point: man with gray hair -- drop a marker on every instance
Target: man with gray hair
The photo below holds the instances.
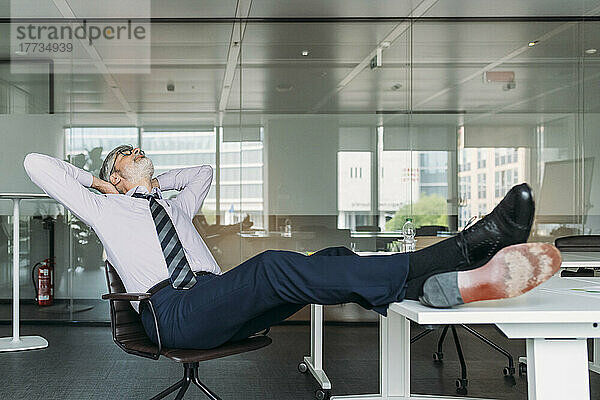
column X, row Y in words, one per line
column 154, row 247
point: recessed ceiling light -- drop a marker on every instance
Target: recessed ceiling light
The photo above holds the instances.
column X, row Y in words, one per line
column 284, row 87
column 531, row 44
column 591, row 51
column 304, row 53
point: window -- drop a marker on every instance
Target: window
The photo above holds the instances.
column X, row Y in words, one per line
column 481, row 186
column 87, row 147
column 481, row 158
column 505, row 156
column 356, row 172
column 354, row 188
column 465, row 187
column 464, row 162
column 170, row 149
column 498, row 177
column 504, row 180
column 482, row 210
column 242, row 184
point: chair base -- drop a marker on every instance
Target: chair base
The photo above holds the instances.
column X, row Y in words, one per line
column 190, row 375
column 462, row 382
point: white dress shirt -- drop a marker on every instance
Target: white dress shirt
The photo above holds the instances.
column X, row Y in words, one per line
column 124, row 224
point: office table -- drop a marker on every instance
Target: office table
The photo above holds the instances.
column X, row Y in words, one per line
column 554, row 319
column 313, row 363
column 17, row 342
column 574, row 260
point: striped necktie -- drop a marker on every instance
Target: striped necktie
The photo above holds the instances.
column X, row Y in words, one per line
column 180, row 273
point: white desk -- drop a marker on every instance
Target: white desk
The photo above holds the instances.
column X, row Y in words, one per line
column 574, row 260
column 554, row 322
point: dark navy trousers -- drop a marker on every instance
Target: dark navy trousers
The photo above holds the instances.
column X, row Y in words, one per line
column 268, row 288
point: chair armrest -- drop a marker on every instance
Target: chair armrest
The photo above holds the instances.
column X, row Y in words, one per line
column 127, row 296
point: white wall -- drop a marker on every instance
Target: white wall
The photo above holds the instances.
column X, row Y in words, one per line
column 20, row 135
column 302, row 170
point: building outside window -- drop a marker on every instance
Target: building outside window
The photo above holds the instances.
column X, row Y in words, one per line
column 465, row 160
column 464, row 187
column 242, row 182
column 481, row 158
column 87, row 146
column 481, row 186
column 504, row 180
column 354, row 189
column 241, row 164
column 482, row 210
column 171, row 149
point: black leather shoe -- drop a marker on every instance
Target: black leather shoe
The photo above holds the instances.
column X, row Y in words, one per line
column 509, row 223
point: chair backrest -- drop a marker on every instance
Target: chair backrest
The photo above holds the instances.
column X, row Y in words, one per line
column 127, row 329
column 368, row 228
column 578, row 243
column 430, row 230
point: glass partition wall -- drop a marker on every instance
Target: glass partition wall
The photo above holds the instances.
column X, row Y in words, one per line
column 30, row 121
column 334, row 132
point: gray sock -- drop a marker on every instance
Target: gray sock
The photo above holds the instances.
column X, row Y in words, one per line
column 441, row 291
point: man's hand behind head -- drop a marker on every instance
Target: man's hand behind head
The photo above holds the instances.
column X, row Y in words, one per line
column 103, row 186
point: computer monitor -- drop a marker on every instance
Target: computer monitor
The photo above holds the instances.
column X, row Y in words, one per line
column 560, row 197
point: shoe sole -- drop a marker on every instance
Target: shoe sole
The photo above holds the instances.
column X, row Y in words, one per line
column 514, row 270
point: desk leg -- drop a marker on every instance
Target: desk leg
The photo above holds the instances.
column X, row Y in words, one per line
column 557, row 369
column 17, row 342
column 394, row 360
column 595, row 365
column 395, row 355
column 314, row 362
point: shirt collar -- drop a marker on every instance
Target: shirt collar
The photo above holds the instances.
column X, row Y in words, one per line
column 143, row 190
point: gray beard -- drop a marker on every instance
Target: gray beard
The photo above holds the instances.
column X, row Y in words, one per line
column 139, row 171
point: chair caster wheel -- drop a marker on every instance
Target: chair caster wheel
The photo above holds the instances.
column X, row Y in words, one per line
column 522, row 369
column 322, row 394
column 461, row 386
column 508, row 371
column 302, row 367
column 438, row 356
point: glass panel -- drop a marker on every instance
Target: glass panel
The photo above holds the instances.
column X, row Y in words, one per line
column 27, row 124
column 589, row 188
column 326, row 133
column 516, row 99
column 171, row 149
column 88, row 146
column 354, row 189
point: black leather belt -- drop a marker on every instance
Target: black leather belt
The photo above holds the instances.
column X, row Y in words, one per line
column 167, row 282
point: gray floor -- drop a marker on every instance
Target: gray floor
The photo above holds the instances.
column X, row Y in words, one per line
column 83, row 363
column 97, row 311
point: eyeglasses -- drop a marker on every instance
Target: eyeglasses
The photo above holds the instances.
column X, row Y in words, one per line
column 127, row 151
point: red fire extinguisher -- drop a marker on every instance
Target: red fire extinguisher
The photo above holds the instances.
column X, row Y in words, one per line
column 44, row 287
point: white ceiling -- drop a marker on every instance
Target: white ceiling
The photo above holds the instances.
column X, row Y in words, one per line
column 438, row 65
column 347, row 8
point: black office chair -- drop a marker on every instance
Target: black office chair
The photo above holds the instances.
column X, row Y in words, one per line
column 430, row 230
column 128, row 333
column 438, row 356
